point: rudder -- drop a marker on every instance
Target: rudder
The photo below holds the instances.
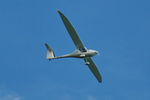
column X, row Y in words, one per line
column 50, row 52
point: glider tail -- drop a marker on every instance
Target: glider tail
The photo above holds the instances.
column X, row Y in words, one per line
column 50, row 52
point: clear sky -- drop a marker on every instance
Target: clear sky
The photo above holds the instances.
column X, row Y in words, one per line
column 118, row 29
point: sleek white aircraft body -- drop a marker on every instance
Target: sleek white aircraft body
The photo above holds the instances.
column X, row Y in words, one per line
column 80, row 52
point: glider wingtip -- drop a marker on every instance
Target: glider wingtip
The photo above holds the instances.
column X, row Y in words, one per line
column 59, row 11
column 100, row 81
column 45, row 44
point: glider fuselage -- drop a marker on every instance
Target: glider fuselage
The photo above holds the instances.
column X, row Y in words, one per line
column 79, row 54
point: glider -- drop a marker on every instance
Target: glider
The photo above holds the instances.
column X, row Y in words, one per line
column 80, row 52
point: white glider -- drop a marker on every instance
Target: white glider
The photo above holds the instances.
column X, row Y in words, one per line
column 80, row 52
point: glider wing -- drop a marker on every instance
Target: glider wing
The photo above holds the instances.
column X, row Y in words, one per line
column 78, row 43
column 93, row 68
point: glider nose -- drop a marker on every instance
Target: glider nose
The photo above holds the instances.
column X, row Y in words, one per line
column 96, row 52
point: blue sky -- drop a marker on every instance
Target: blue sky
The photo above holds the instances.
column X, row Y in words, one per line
column 119, row 29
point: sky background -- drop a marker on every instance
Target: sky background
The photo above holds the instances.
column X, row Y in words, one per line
column 118, row 29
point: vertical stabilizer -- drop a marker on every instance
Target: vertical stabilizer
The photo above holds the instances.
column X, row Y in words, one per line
column 50, row 52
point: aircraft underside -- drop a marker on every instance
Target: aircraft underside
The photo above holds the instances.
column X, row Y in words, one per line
column 80, row 52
